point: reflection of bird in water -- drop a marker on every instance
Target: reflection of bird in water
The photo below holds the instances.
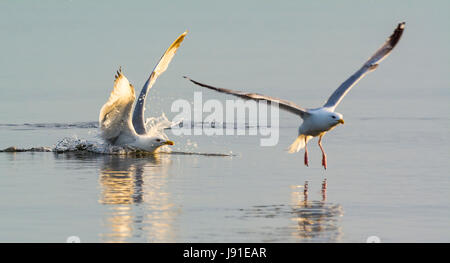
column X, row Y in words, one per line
column 139, row 205
column 324, row 190
column 121, row 179
column 317, row 220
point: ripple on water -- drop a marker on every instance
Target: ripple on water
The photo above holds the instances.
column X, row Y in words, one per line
column 313, row 220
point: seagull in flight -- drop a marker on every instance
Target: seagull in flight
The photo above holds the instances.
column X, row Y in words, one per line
column 119, row 125
column 318, row 121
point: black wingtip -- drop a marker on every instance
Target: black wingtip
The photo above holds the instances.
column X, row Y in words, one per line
column 118, row 73
column 395, row 37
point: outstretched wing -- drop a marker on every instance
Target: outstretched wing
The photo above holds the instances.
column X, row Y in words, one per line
column 115, row 115
column 369, row 66
column 283, row 104
column 138, row 114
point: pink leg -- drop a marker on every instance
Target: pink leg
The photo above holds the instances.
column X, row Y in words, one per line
column 306, row 153
column 324, row 156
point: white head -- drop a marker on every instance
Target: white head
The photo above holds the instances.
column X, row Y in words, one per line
column 151, row 143
column 334, row 118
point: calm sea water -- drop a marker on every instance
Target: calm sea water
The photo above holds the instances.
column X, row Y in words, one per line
column 388, row 166
column 393, row 185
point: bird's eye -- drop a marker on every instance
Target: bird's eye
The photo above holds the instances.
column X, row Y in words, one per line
column 158, row 140
column 334, row 117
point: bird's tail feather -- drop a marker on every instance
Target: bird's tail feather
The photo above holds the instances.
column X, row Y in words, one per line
column 299, row 143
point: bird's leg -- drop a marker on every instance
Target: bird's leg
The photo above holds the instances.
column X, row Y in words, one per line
column 324, row 156
column 306, row 152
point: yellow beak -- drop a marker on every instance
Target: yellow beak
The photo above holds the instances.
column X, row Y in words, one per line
column 169, row 143
column 341, row 121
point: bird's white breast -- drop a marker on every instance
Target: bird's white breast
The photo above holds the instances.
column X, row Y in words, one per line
column 317, row 122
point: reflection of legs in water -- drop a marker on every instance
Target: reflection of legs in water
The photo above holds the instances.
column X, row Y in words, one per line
column 324, row 190
column 317, row 219
column 305, row 192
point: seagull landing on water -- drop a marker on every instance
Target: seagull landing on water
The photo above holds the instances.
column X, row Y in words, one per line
column 118, row 124
column 317, row 122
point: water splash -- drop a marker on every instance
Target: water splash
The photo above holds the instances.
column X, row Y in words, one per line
column 155, row 126
column 74, row 144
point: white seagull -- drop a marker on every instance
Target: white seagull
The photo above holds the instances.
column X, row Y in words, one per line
column 318, row 121
column 118, row 124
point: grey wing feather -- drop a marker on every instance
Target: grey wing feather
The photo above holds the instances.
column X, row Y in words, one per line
column 138, row 114
column 370, row 65
column 283, row 104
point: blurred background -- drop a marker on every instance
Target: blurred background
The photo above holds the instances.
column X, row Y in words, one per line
column 59, row 57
